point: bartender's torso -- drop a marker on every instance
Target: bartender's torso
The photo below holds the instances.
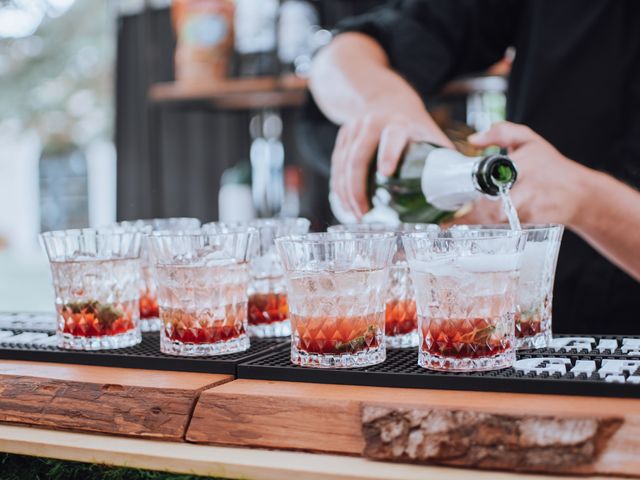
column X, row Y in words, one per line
column 575, row 80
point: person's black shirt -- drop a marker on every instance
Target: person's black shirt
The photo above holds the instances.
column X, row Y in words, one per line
column 575, row 81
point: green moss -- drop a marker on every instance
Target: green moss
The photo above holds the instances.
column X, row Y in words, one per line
column 19, row 467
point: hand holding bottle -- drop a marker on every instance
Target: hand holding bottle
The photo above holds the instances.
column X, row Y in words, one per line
column 548, row 188
column 354, row 85
column 356, row 147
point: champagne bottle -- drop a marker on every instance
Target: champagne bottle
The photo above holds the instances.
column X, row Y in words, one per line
column 432, row 183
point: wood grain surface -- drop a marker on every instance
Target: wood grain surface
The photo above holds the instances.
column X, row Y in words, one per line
column 329, row 418
column 229, row 462
column 121, row 401
column 464, row 438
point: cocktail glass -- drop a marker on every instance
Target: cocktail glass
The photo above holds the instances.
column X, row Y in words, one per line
column 466, row 284
column 401, row 319
column 535, row 287
column 268, row 308
column 202, row 280
column 336, row 284
column 149, row 313
column 95, row 278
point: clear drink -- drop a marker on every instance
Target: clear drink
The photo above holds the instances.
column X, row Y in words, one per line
column 336, row 287
column 95, row 278
column 466, row 284
column 509, row 210
column 202, row 282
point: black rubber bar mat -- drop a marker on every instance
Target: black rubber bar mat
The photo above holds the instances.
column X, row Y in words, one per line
column 28, row 321
column 40, row 346
column 572, row 369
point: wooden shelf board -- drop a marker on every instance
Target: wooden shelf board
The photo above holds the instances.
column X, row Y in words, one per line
column 240, row 93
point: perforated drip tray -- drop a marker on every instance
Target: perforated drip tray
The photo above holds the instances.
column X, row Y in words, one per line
column 547, row 372
column 28, row 321
column 603, row 365
column 605, row 346
column 41, row 346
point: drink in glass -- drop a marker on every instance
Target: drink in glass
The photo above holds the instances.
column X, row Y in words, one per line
column 149, row 311
column 535, row 287
column 337, row 284
column 268, row 309
column 466, row 285
column 401, row 320
column 95, row 278
column 202, row 282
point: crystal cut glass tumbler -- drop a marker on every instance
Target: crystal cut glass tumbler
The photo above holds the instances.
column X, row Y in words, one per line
column 149, row 312
column 202, row 282
column 535, row 287
column 95, row 278
column 336, row 284
column 268, row 307
column 401, row 319
column 466, row 284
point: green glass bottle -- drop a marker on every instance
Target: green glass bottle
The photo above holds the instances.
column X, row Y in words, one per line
column 432, row 183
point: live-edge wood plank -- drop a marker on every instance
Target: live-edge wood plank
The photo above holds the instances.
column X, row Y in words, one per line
column 144, row 403
column 328, row 418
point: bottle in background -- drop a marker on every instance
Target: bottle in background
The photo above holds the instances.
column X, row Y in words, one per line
column 292, row 186
column 255, row 37
column 204, row 33
column 235, row 201
column 298, row 25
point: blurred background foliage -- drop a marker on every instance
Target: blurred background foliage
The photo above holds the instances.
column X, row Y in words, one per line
column 56, row 70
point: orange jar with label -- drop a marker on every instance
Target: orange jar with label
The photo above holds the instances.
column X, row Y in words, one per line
column 204, row 32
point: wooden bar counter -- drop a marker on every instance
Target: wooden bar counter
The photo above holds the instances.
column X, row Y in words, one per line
column 266, row 429
column 121, row 401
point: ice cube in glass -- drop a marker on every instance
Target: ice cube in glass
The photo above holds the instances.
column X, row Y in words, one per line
column 401, row 320
column 337, row 284
column 149, row 312
column 202, row 280
column 95, row 278
column 466, row 285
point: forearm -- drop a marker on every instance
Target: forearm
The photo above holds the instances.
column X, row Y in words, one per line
column 609, row 219
column 351, row 78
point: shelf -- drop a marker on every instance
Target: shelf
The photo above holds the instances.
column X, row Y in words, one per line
column 466, row 86
column 239, row 94
column 282, row 92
